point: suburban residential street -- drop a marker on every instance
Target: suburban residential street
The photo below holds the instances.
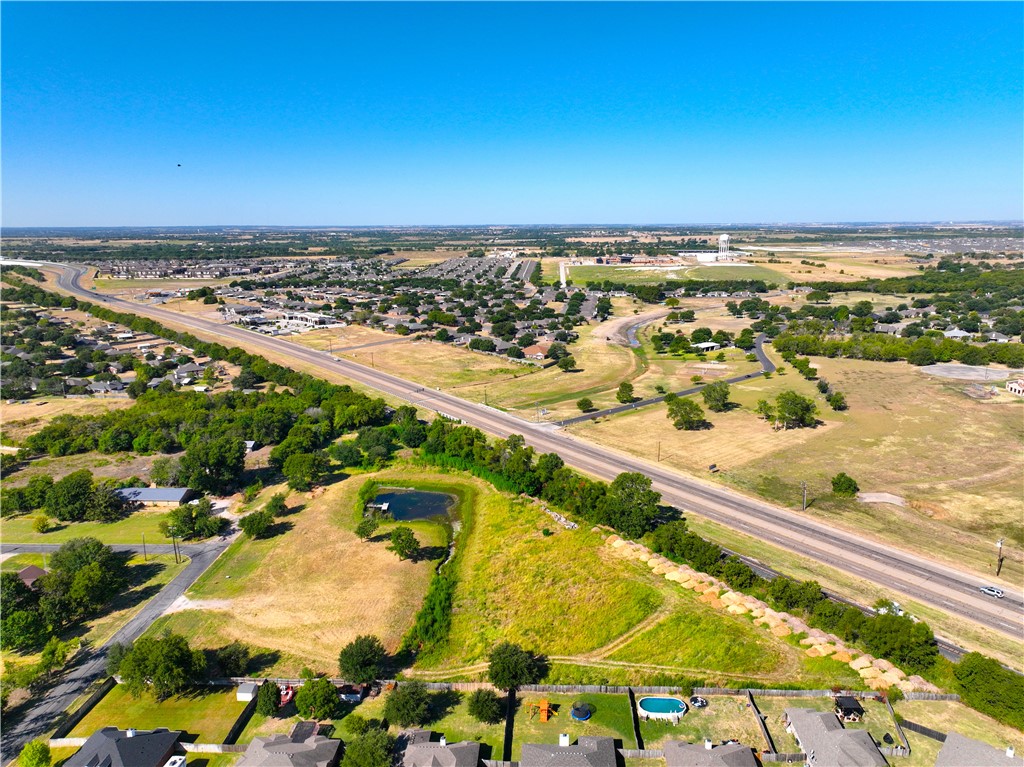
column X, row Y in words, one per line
column 42, row 717
column 913, row 575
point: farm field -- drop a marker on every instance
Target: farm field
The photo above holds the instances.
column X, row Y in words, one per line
column 306, row 592
column 205, row 715
column 895, row 438
column 726, row 717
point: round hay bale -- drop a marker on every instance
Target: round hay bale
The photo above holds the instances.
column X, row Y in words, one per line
column 862, row 662
column 781, row 630
column 878, row 683
column 673, row 576
column 825, row 650
column 812, row 652
column 842, row 656
column 736, row 609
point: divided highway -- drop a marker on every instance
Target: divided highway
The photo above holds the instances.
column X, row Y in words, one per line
column 945, row 587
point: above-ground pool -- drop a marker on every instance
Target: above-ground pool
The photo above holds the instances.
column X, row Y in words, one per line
column 661, row 707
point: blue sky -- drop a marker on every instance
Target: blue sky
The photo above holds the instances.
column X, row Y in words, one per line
column 389, row 113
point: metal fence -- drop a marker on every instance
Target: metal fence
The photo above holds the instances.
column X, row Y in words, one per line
column 642, row 753
column 920, row 729
column 931, row 696
column 790, row 758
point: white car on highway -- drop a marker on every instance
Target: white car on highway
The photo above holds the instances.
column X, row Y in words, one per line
column 992, row 591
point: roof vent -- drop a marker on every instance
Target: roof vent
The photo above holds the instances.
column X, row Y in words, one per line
column 707, row 743
column 130, row 733
column 563, row 739
column 444, row 741
column 1009, row 752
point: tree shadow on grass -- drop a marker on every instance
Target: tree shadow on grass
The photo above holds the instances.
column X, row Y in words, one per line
column 429, row 553
column 278, row 528
column 442, row 704
column 261, row 661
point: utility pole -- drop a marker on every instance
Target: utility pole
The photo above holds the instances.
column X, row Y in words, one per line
column 144, row 547
column 999, row 556
column 174, row 545
column 803, row 486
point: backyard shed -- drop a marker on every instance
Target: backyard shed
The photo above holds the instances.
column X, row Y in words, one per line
column 247, row 691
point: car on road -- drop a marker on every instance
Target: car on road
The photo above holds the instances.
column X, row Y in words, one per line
column 992, row 591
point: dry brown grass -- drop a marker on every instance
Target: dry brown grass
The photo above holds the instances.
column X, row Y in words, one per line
column 309, row 591
column 19, row 420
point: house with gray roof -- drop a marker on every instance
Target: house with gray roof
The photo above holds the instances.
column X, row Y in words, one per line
column 283, row 751
column 586, row 752
column 111, row 747
column 678, row 753
column 419, row 749
column 961, row 751
column 156, row 496
column 824, row 740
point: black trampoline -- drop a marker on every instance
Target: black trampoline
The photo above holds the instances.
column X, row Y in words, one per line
column 581, row 711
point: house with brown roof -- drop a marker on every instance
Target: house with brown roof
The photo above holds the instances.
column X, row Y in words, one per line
column 29, row 575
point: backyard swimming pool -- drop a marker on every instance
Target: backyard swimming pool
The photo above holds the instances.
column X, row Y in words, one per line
column 661, row 707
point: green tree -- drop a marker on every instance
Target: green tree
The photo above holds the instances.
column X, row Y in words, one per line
column 585, row 404
column 794, row 410
column 366, row 528
column 567, row 364
column 41, row 524
column 485, row 706
column 22, row 630
column 716, row 396
column 403, row 542
column 69, row 498
column 213, row 464
column 625, row 392
column 359, row 661
column 371, row 749
column 408, row 704
column 317, row 699
column 510, row 667
column 233, row 659
column 35, row 753
column 303, row 470
column 166, row 664
column 276, row 506
column 836, row 400
column 684, row 413
column 106, row 504
column 844, row 485
column 54, row 655
column 268, row 699
column 255, row 525
column 192, row 520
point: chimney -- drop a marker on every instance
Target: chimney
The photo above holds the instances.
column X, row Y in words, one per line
column 563, row 739
column 129, row 733
column 444, row 741
column 1009, row 752
column 707, row 743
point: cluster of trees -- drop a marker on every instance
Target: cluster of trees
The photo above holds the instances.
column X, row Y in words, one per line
column 258, row 523
column 684, row 413
column 76, row 497
column 835, row 399
column 167, row 665
column 899, row 639
column 789, row 411
column 192, row 521
column 84, row 575
column 627, row 504
column 925, row 350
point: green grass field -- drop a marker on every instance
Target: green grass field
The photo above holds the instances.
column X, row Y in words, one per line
column 131, row 529
column 725, row 717
column 20, row 562
column 558, row 594
column 205, row 715
column 580, row 275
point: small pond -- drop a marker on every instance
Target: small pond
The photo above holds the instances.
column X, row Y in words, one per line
column 414, row 504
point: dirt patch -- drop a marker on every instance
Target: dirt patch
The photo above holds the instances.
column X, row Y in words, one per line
column 183, row 603
column 968, row 372
column 895, row 500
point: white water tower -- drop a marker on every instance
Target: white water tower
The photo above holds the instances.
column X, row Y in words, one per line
column 723, row 243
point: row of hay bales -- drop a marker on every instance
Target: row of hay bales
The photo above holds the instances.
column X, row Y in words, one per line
column 877, row 673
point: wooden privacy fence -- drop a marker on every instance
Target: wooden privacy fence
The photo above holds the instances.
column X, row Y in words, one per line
column 785, row 693
column 760, row 723
column 82, row 711
column 783, row 758
column 931, row 696
column 642, row 753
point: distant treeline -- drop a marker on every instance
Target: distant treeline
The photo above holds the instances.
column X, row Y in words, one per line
column 947, row 276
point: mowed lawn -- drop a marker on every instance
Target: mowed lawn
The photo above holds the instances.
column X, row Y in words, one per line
column 949, row 716
column 205, row 715
column 131, row 529
column 611, row 718
column 560, row 594
column 311, row 589
column 726, row 717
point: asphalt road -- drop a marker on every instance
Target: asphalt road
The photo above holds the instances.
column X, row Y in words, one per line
column 46, row 713
column 913, row 575
column 767, row 366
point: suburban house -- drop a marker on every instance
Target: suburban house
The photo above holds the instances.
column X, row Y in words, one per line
column 956, row 334
column 586, row 752
column 961, row 751
column 681, row 754
column 30, row 575
column 111, row 747
column 156, row 496
column 849, row 708
column 419, row 750
column 297, row 750
column 1016, row 387
column 823, row 740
